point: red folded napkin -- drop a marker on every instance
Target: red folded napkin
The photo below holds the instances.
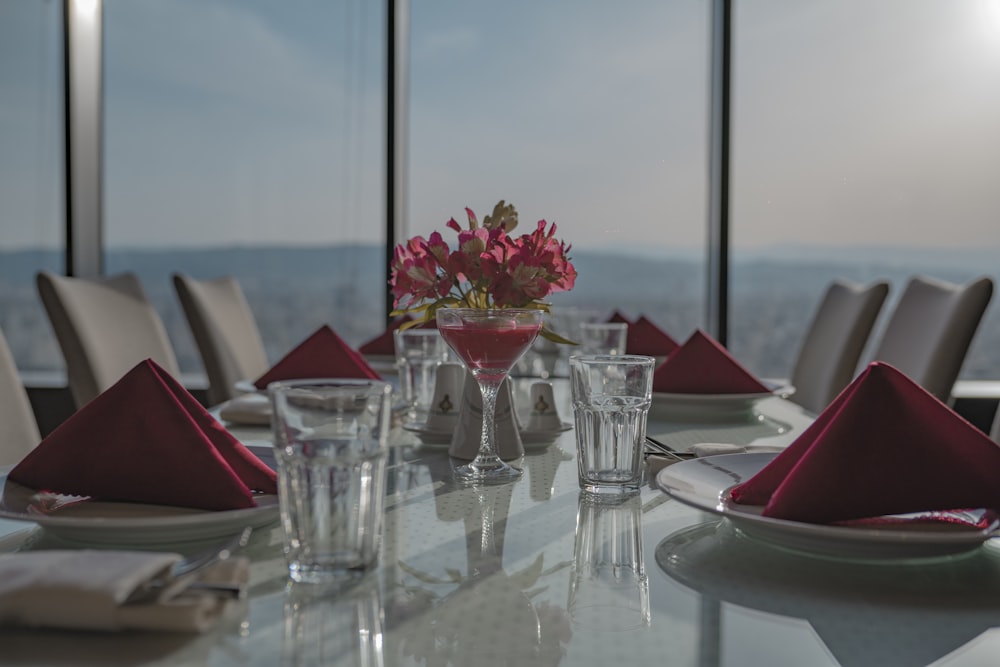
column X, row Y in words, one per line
column 618, row 317
column 146, row 440
column 324, row 354
column 702, row 366
column 884, row 446
column 384, row 342
column 647, row 339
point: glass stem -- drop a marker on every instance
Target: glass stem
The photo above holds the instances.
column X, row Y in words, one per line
column 487, row 440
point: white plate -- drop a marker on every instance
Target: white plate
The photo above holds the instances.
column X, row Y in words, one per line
column 712, row 407
column 530, row 439
column 704, row 483
column 108, row 523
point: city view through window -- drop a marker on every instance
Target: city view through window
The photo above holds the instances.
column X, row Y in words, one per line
column 866, row 144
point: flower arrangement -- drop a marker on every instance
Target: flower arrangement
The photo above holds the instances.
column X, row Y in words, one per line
column 490, row 268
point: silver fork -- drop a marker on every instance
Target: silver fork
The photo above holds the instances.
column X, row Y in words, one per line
column 656, row 448
column 191, row 566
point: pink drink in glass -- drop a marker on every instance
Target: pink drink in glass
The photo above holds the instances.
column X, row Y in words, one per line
column 487, row 348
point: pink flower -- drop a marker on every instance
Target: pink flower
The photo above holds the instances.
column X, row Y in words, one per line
column 415, row 274
column 488, row 269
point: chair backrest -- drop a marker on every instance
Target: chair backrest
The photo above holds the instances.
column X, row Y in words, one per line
column 225, row 332
column 829, row 354
column 930, row 329
column 18, row 429
column 104, row 326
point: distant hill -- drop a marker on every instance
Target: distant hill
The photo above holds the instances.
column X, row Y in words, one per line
column 293, row 290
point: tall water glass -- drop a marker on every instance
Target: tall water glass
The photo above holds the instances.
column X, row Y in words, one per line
column 330, row 441
column 611, row 398
column 418, row 353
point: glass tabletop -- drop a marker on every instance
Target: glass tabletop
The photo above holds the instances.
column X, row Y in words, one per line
column 535, row 573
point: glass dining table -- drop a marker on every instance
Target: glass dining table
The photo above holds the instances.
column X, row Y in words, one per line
column 507, row 575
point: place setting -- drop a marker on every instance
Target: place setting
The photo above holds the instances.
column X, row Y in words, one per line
column 699, row 381
column 143, row 464
column 322, row 354
column 887, row 471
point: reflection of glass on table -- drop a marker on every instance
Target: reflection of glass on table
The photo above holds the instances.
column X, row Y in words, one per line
column 609, row 589
column 322, row 625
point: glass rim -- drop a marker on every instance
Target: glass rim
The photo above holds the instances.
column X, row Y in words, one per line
column 489, row 310
column 624, row 359
column 415, row 330
column 329, row 383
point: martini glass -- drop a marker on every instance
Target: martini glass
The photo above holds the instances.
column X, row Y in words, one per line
column 489, row 342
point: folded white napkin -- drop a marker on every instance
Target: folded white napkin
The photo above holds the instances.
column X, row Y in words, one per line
column 252, row 409
column 89, row 589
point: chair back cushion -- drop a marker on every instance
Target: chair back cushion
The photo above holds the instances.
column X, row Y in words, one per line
column 931, row 328
column 104, row 326
column 829, row 354
column 224, row 330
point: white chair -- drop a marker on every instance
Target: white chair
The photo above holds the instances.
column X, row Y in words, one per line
column 18, row 429
column 829, row 354
column 929, row 331
column 225, row 332
column 104, row 326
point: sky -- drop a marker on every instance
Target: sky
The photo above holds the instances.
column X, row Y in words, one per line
column 261, row 121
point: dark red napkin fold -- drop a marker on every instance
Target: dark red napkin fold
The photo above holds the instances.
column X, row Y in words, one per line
column 384, row 343
column 645, row 338
column 702, row 366
column 323, row 354
column 883, row 446
column 619, row 318
column 147, row 440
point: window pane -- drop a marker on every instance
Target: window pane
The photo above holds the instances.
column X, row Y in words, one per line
column 246, row 138
column 591, row 115
column 31, row 171
column 866, row 145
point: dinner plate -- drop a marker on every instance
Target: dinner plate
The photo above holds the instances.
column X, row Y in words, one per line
column 529, row 439
column 712, row 407
column 112, row 523
column 704, row 483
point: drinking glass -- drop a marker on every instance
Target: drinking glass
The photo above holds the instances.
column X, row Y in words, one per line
column 418, row 353
column 489, row 342
column 611, row 399
column 331, row 444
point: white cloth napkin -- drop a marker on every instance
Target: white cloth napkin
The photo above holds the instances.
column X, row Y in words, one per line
column 88, row 590
column 254, row 409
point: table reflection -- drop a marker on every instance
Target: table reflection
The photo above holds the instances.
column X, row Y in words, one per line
column 488, row 617
column 609, row 589
column 867, row 613
column 323, row 626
